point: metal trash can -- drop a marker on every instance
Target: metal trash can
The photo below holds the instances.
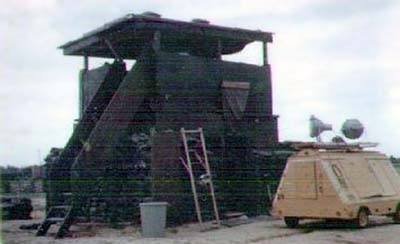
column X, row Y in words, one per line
column 153, row 217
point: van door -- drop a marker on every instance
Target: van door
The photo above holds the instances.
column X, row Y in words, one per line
column 306, row 183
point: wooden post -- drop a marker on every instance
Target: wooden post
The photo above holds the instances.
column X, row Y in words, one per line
column 157, row 41
column 81, row 80
column 219, row 50
column 219, row 63
column 86, row 62
column 265, row 53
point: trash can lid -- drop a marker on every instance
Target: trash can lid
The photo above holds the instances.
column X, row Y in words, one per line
column 153, row 204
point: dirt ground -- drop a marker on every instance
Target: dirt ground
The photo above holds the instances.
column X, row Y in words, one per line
column 260, row 230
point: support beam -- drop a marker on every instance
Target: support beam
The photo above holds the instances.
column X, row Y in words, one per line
column 81, row 80
column 219, row 50
column 113, row 51
column 157, row 41
column 265, row 53
column 86, row 62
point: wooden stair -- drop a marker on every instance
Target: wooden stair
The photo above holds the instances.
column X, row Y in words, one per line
column 61, row 215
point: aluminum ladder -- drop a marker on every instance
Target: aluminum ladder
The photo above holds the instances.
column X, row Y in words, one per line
column 197, row 154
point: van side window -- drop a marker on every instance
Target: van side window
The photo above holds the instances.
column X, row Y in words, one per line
column 336, row 170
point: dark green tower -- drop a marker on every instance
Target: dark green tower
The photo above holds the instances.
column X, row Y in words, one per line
column 125, row 147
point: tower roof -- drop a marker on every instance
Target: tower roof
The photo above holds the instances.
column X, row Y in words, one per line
column 128, row 35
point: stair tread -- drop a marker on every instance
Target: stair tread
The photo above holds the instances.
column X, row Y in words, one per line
column 55, row 219
column 61, row 207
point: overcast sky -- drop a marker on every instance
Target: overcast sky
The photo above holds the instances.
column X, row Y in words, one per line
column 336, row 59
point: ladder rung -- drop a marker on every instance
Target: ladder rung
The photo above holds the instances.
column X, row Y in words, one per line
column 192, row 131
column 197, row 140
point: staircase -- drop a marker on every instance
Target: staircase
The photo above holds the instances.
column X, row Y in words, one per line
column 62, row 215
column 93, row 112
column 59, row 172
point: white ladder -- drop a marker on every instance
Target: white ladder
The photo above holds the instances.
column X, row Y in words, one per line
column 200, row 155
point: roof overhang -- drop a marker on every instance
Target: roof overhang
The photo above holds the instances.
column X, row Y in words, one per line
column 129, row 34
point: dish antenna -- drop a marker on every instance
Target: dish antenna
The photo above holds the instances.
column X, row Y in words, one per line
column 317, row 127
column 352, row 129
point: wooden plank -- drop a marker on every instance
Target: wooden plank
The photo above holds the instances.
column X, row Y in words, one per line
column 73, row 48
column 235, row 85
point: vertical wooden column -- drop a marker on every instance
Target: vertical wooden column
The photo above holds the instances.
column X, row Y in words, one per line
column 81, row 80
column 156, row 42
column 86, row 62
column 219, row 50
column 272, row 119
column 265, row 53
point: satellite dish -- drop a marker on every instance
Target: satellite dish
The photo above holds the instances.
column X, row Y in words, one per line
column 317, row 127
column 352, row 129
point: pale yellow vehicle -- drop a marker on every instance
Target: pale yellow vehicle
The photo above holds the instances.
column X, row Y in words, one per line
column 324, row 181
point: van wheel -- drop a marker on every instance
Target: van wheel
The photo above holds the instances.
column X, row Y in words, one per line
column 396, row 216
column 362, row 220
column 291, row 222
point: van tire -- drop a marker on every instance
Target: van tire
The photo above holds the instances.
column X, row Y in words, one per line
column 396, row 216
column 291, row 222
column 362, row 219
